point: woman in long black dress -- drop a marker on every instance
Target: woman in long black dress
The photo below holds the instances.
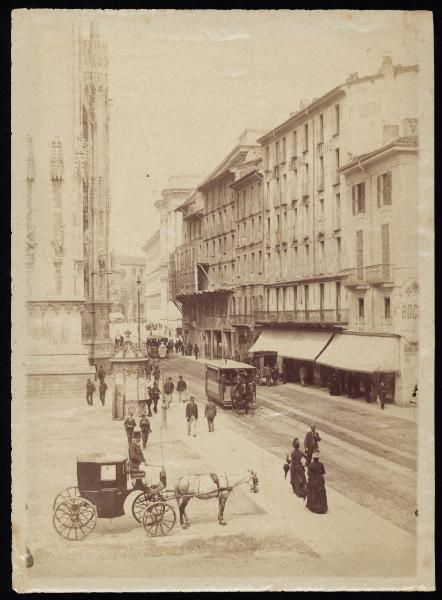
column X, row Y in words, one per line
column 316, row 494
column 297, row 473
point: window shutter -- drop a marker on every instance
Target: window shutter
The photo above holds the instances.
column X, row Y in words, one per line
column 379, row 189
column 353, row 197
column 363, row 196
column 388, row 199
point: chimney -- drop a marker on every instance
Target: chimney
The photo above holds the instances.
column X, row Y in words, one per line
column 387, row 65
column 304, row 103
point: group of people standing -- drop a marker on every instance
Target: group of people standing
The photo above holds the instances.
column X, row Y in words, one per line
column 312, row 489
column 144, row 431
column 102, row 387
column 350, row 383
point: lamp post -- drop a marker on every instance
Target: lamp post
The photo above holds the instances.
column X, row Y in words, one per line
column 138, row 309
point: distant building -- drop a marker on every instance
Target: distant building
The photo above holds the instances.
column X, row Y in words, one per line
column 152, row 291
column 128, row 270
column 178, row 189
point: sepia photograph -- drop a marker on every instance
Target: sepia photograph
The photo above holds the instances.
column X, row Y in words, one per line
column 222, row 300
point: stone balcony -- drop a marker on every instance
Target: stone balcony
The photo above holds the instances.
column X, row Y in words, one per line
column 371, row 275
column 325, row 316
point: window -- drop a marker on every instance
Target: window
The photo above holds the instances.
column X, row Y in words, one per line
column 278, row 231
column 321, row 129
column 321, row 173
column 387, row 308
column 260, row 261
column 337, row 158
column 294, row 144
column 259, row 226
column 284, row 150
column 284, row 187
column 384, row 189
column 337, row 120
column 267, row 158
column 361, row 313
column 305, row 181
column 385, row 249
column 321, row 211
column 253, row 263
column 321, row 256
column 338, row 253
column 307, row 259
column 358, row 197
column 306, row 137
column 337, row 211
column 277, row 153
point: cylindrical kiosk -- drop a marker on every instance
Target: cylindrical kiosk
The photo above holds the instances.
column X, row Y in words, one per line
column 129, row 381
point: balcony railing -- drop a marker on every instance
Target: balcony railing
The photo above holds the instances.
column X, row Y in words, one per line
column 214, row 322
column 371, row 275
column 242, row 319
column 330, row 316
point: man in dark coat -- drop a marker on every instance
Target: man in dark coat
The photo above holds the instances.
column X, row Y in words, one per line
column 181, row 388
column 196, row 351
column 136, row 457
column 168, row 390
column 148, row 369
column 101, row 373
column 191, row 416
column 129, row 426
column 149, row 400
column 311, row 442
column 90, row 389
column 102, row 391
column 155, row 396
column 145, row 430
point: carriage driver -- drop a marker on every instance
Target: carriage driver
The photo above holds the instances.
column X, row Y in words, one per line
column 136, row 457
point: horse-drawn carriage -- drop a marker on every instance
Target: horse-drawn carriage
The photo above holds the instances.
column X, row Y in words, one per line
column 231, row 383
column 104, row 483
column 156, row 347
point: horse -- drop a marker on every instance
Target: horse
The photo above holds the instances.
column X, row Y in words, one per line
column 207, row 486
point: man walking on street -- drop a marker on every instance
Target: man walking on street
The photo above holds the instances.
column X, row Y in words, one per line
column 181, row 388
column 381, row 392
column 149, row 400
column 210, row 414
column 101, row 374
column 196, row 351
column 156, row 373
column 311, row 443
column 191, row 416
column 102, row 391
column 129, row 426
column 145, row 430
column 148, row 369
column 303, row 375
column 90, row 389
column 168, row 390
column 155, row 396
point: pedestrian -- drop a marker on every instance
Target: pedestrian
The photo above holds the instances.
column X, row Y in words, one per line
column 101, row 373
column 168, row 390
column 145, row 429
column 311, row 442
column 413, row 401
column 334, row 385
column 210, row 414
column 267, row 375
column 191, row 416
column 274, row 373
column 155, row 396
column 303, row 375
column 316, row 493
column 196, row 351
column 189, row 349
column 90, row 389
column 156, row 373
column 129, row 426
column 297, row 470
column 102, row 391
column 136, row 457
column 237, row 356
column 148, row 369
column 381, row 391
column 149, row 400
column 181, row 388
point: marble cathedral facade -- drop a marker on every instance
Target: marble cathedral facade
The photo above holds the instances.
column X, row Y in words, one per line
column 61, row 191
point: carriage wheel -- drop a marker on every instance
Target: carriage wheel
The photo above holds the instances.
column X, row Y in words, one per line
column 74, row 518
column 140, row 504
column 70, row 492
column 159, row 519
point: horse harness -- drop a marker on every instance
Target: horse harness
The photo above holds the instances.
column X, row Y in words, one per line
column 215, row 479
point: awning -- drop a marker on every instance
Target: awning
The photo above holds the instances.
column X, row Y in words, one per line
column 292, row 343
column 363, row 353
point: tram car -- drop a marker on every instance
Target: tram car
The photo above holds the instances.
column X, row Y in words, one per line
column 231, row 383
column 156, row 347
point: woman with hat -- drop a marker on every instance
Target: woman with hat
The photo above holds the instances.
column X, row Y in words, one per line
column 297, row 472
column 316, row 494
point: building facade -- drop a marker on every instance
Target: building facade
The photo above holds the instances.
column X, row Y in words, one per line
column 128, row 270
column 152, row 293
column 381, row 266
column 62, row 171
column 178, row 189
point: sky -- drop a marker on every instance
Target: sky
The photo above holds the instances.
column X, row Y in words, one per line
column 185, row 84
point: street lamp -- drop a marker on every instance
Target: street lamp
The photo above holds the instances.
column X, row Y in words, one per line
column 138, row 306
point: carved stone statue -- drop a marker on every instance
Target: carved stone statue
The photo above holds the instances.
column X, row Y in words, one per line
column 58, row 241
column 102, row 262
column 87, row 244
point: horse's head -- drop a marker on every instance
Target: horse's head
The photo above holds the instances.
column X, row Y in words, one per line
column 253, row 482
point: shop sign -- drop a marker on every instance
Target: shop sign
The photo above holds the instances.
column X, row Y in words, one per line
column 406, row 310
